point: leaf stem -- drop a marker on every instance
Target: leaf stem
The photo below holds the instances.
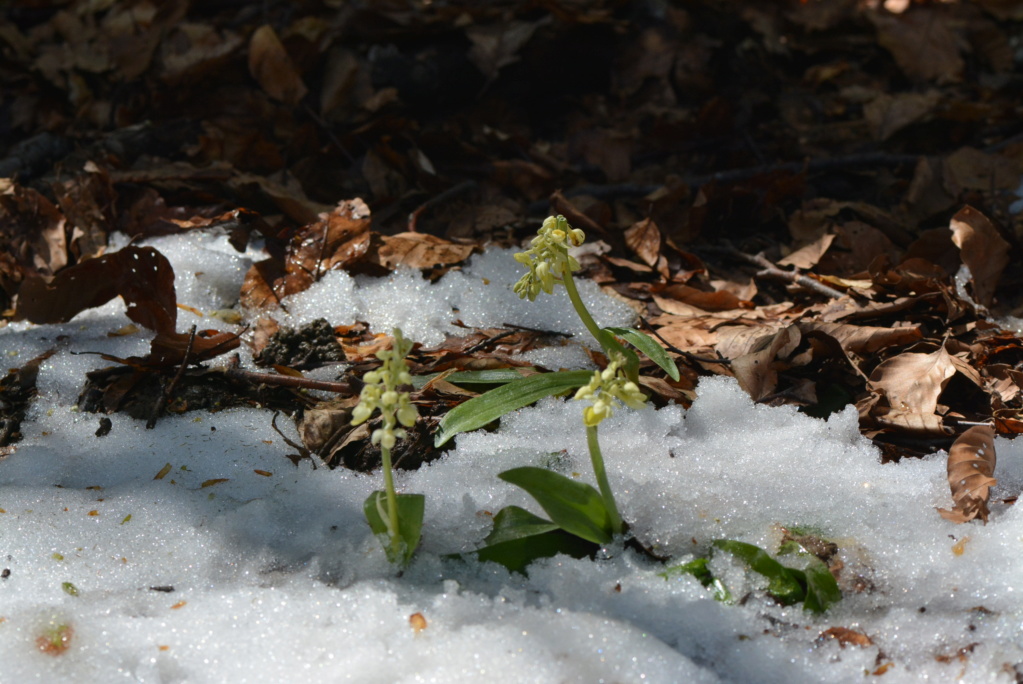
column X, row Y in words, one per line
column 597, row 459
column 392, row 502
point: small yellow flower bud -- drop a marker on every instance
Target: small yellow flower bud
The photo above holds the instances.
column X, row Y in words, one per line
column 361, row 413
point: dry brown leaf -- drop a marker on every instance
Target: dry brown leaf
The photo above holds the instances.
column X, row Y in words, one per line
column 757, row 371
column 644, row 239
column 913, row 381
column 687, row 337
column 809, row 255
column 864, row 339
column 857, row 244
column 982, row 249
column 707, row 301
column 1003, row 381
column 971, row 169
column 273, row 69
column 888, row 114
column 140, row 275
column 338, row 240
column 421, row 250
column 32, row 228
column 922, row 43
column 735, row 340
column 497, row 46
column 846, row 637
column 971, row 464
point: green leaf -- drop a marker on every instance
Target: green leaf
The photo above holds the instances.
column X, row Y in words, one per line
column 649, row 346
column 575, row 507
column 518, row 554
column 497, row 376
column 698, row 568
column 513, row 522
column 786, row 585
column 410, row 523
column 821, row 588
column 478, row 411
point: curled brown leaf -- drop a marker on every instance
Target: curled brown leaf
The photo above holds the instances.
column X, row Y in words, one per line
column 982, row 249
column 971, row 464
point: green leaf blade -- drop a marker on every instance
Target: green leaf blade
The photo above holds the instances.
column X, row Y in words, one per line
column 821, row 588
column 410, row 524
column 488, row 407
column 573, row 506
column 519, row 554
column 784, row 583
column 513, row 522
column 650, row 347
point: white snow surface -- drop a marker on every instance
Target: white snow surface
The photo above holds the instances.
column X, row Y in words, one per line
column 273, row 576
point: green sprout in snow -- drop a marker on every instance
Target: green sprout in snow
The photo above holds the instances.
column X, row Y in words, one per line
column 397, row 517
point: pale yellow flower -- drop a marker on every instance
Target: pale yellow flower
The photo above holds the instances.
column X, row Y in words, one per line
column 381, row 392
column 548, row 258
column 605, row 387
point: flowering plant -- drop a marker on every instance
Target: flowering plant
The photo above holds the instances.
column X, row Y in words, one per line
column 396, row 518
column 578, row 511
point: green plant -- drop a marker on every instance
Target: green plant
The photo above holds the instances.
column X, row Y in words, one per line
column 814, row 586
column 581, row 516
column 396, row 518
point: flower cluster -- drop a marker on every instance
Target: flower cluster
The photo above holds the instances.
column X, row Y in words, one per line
column 380, row 392
column 606, row 386
column 548, row 258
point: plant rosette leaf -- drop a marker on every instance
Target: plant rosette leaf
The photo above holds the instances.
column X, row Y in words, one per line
column 699, row 569
column 815, row 586
column 650, row 347
column 410, row 523
column 784, row 583
column 488, row 407
column 513, row 522
column 520, row 537
column 573, row 506
column 821, row 588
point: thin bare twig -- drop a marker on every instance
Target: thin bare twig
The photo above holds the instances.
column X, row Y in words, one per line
column 489, row 341
column 772, row 271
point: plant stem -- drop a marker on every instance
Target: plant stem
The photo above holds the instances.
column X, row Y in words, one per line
column 392, row 502
column 605, row 488
column 580, row 308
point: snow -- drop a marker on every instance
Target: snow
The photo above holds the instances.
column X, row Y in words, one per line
column 272, row 574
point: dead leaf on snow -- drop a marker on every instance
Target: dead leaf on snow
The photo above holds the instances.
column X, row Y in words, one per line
column 982, row 249
column 846, row 637
column 140, row 275
column 971, row 464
